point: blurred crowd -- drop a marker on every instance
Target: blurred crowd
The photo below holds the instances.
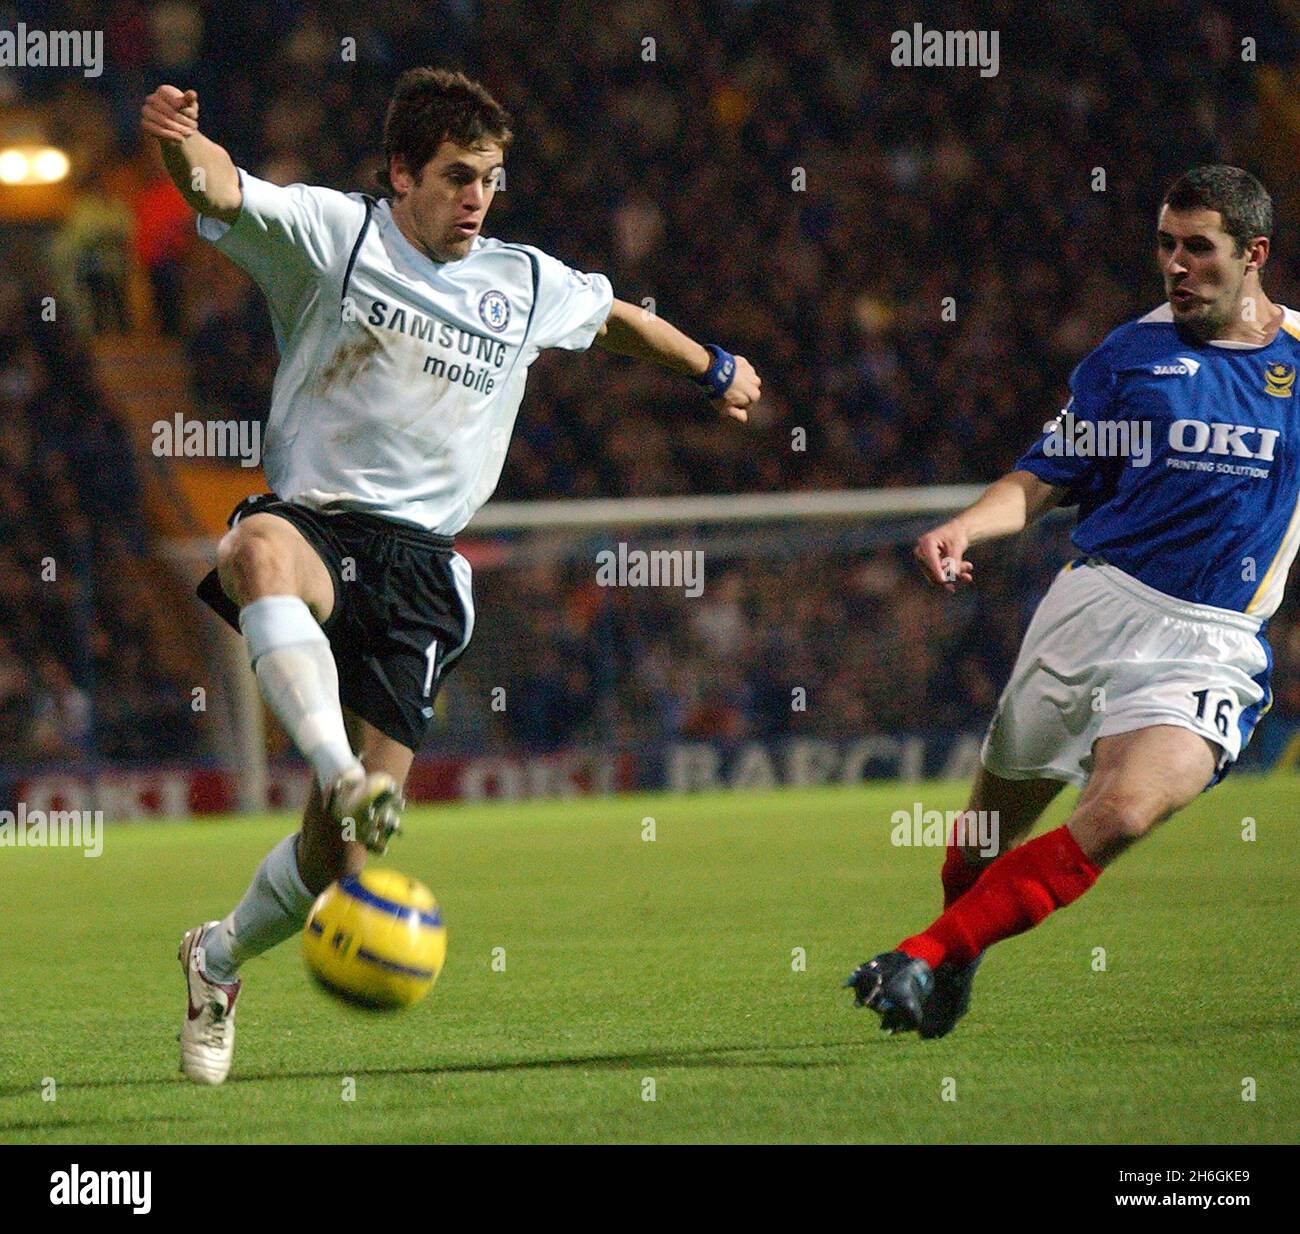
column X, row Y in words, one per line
column 89, row 665
column 914, row 259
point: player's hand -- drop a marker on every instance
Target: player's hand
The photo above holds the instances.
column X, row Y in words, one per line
column 940, row 554
column 744, row 391
column 170, row 114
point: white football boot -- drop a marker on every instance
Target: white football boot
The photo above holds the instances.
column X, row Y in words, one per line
column 370, row 801
column 207, row 1033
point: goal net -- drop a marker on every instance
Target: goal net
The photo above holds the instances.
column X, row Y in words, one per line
column 692, row 644
column 686, row 644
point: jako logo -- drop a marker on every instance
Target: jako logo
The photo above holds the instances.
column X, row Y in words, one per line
column 1197, row 437
column 120, row 1187
column 1184, row 368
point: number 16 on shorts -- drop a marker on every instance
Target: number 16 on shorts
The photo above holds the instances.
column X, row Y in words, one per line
column 1221, row 711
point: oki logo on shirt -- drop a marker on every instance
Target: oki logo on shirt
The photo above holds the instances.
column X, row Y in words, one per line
column 1237, row 440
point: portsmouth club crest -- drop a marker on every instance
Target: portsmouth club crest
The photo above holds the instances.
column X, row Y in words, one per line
column 1279, row 380
column 494, row 308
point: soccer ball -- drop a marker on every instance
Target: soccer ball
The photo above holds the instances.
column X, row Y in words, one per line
column 375, row 940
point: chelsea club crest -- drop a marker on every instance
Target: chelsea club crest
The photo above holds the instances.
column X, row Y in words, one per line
column 494, row 309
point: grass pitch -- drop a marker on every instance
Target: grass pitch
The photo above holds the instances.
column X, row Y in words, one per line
column 667, row 969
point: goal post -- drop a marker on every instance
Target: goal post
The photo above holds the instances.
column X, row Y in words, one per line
column 826, row 506
column 237, row 728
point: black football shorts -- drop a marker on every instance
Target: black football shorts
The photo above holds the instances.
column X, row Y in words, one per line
column 403, row 610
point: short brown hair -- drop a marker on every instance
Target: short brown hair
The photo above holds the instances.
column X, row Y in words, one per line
column 1244, row 203
column 430, row 106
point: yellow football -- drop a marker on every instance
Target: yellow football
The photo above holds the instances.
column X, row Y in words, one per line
column 375, row 940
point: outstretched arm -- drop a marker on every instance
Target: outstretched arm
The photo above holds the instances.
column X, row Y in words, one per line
column 633, row 331
column 1007, row 506
column 202, row 170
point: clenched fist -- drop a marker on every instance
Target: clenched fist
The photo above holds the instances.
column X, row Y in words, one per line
column 170, row 114
column 744, row 391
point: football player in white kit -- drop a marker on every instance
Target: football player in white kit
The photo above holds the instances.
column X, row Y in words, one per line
column 405, row 338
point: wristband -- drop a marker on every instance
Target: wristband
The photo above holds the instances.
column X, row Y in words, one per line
column 719, row 375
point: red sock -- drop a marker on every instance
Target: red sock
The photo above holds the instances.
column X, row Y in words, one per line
column 958, row 875
column 1016, row 892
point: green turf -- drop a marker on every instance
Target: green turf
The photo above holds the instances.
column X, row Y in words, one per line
column 670, row 961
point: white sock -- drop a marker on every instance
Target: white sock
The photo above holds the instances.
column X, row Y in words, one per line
column 296, row 671
column 275, row 906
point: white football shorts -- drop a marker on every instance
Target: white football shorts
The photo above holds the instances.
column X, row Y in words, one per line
column 1106, row 654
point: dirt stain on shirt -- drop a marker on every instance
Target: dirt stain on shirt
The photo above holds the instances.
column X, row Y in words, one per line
column 349, row 358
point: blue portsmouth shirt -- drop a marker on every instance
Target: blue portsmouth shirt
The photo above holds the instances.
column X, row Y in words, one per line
column 1184, row 459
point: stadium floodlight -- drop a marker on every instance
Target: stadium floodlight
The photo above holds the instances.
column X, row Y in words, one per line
column 23, row 166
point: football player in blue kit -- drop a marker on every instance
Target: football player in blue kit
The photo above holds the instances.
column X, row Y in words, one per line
column 1145, row 669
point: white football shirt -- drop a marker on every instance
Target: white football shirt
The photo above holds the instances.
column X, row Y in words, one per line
column 400, row 377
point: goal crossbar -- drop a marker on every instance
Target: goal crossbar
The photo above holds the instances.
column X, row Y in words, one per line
column 744, row 508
